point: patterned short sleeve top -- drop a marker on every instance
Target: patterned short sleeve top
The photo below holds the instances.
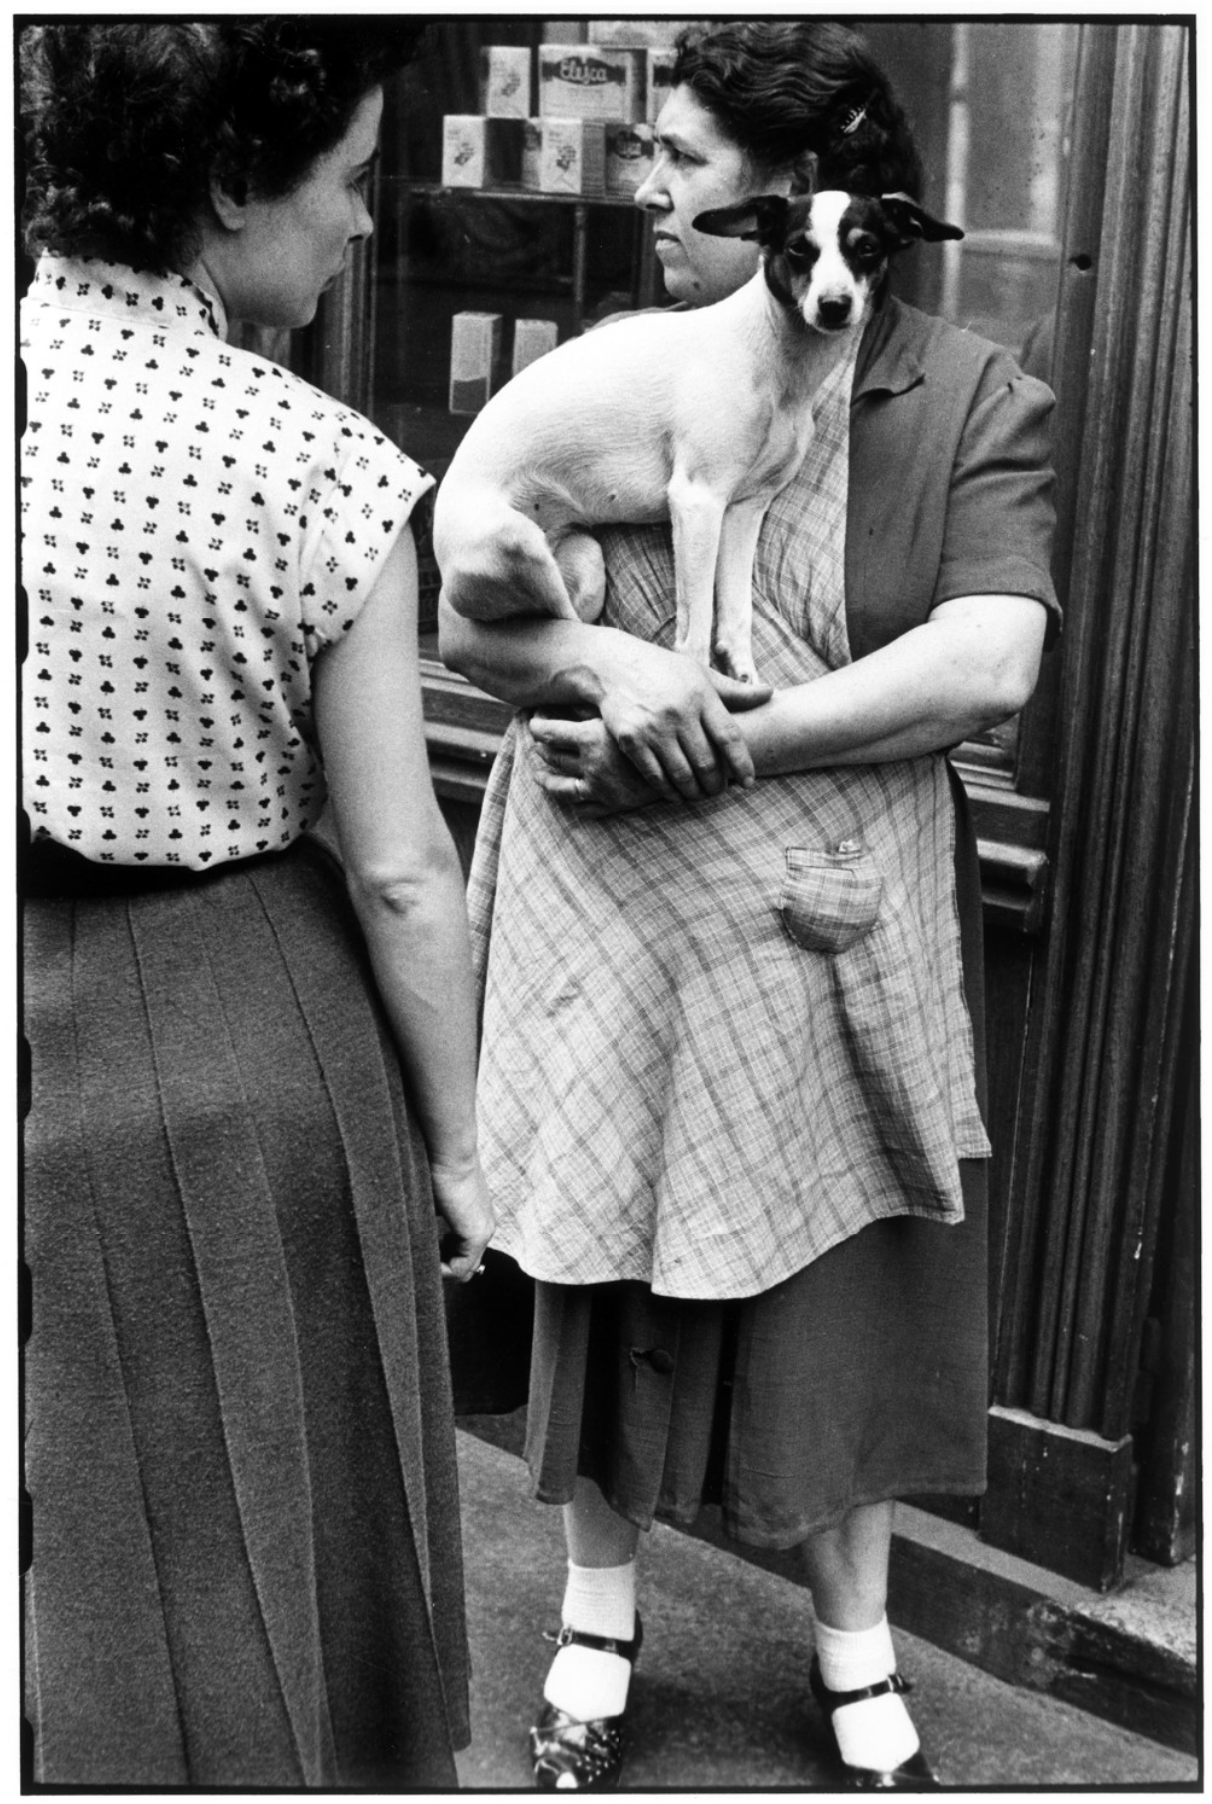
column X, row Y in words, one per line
column 198, row 523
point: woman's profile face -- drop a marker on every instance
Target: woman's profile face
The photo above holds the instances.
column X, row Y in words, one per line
column 294, row 247
column 698, row 166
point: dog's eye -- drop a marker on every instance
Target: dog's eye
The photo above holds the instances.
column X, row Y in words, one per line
column 800, row 253
column 865, row 250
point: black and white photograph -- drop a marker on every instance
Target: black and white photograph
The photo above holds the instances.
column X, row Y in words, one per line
column 608, row 1080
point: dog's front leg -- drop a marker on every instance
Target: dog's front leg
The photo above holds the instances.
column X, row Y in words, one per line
column 734, row 588
column 696, row 513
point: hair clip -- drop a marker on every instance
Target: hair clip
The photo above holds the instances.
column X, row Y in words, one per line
column 854, row 118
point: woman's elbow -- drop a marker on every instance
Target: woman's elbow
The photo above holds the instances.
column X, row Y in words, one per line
column 1001, row 665
column 1012, row 684
column 404, row 884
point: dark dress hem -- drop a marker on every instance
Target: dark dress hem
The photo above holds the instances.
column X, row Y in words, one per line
column 780, row 1540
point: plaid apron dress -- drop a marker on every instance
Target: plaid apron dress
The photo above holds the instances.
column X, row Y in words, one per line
column 720, row 1039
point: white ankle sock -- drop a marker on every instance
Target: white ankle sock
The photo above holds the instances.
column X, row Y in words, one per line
column 584, row 1681
column 878, row 1732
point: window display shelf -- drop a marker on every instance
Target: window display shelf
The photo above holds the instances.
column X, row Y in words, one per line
column 510, row 191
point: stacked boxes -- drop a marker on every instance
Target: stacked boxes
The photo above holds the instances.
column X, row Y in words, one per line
column 591, row 81
column 475, row 345
column 630, row 152
column 592, row 136
column 479, row 152
column 505, row 81
column 571, row 156
column 587, row 92
column 564, row 156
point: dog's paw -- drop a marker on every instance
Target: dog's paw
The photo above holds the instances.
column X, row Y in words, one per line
column 735, row 662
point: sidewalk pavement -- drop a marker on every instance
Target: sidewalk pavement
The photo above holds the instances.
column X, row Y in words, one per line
column 720, row 1699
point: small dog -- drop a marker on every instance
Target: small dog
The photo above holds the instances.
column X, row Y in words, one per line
column 699, row 418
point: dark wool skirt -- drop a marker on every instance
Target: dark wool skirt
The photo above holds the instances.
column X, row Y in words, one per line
column 240, row 1449
column 861, row 1378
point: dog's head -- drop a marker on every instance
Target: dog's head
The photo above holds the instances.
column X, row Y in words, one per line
column 826, row 254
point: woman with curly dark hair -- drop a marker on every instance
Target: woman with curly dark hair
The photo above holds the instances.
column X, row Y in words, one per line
column 730, row 1081
column 252, row 1073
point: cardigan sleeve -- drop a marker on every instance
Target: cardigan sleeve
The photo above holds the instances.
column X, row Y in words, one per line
column 951, row 486
column 1000, row 517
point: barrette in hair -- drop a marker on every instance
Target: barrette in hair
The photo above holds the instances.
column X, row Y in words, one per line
column 854, row 118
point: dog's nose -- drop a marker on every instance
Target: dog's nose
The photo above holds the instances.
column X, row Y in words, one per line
column 834, row 311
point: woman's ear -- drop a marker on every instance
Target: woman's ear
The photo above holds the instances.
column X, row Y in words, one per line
column 230, row 209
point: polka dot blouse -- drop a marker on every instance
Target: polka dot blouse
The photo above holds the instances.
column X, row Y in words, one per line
column 198, row 524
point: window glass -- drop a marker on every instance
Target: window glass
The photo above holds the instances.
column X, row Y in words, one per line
column 990, row 106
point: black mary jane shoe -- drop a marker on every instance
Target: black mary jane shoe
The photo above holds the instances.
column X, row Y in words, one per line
column 913, row 1774
column 574, row 1756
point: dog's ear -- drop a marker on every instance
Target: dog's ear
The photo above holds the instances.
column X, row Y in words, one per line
column 763, row 218
column 910, row 219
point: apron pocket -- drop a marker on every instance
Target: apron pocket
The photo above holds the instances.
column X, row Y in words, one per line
column 833, row 902
column 830, row 899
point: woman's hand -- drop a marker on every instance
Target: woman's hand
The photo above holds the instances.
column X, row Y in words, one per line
column 466, row 1217
column 671, row 719
column 580, row 766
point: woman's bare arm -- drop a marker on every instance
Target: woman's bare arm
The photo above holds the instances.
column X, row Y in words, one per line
column 667, row 715
column 973, row 663
column 405, row 882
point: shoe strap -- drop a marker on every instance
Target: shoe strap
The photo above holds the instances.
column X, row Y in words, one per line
column 570, row 1637
column 837, row 1699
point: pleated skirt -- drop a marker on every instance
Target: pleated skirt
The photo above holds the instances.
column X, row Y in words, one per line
column 860, row 1378
column 240, row 1453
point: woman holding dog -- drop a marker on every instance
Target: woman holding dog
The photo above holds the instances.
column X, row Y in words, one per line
column 253, row 1075
column 731, row 1079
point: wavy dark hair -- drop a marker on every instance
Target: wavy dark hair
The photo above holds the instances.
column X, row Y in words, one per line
column 783, row 87
column 127, row 124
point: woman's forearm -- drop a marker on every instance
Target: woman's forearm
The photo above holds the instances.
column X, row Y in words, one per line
column 415, row 927
column 667, row 714
column 966, row 669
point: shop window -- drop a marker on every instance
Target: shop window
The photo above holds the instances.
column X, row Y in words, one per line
column 990, row 104
column 1009, row 86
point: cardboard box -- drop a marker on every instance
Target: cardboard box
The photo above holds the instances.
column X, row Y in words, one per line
column 658, row 80
column 464, row 151
column 532, row 339
column 481, row 153
column 644, row 32
column 475, row 345
column 630, row 155
column 505, row 81
column 572, row 156
column 591, row 81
